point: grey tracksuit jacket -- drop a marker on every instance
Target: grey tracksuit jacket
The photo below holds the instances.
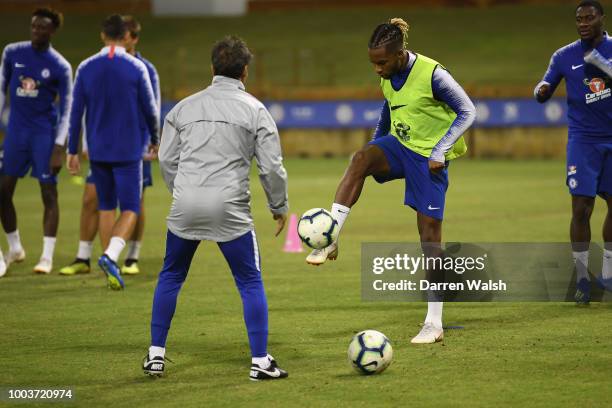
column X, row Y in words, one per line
column 208, row 143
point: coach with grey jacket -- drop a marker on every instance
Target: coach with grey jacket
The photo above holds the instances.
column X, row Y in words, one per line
column 208, row 143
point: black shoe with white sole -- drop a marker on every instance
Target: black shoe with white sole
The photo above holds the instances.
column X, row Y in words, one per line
column 270, row 373
column 153, row 366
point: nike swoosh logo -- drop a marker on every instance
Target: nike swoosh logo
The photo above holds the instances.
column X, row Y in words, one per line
column 275, row 373
column 430, row 208
column 18, row 65
column 575, row 67
column 397, row 107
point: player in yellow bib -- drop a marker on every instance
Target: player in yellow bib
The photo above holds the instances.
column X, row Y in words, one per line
column 420, row 130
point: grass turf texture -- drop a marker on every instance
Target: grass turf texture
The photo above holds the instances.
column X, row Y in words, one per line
column 506, row 45
column 72, row 331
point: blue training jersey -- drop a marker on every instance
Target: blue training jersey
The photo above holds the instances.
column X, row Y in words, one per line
column 589, row 91
column 112, row 88
column 33, row 80
column 154, row 77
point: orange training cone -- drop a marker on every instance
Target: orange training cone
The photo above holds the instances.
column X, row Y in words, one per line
column 293, row 242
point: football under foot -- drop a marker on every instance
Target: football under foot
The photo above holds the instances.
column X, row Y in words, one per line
column 113, row 274
column 319, row 256
column 2, row 268
column 76, row 267
column 272, row 372
column 14, row 257
column 429, row 334
column 43, row 266
column 130, row 267
column 583, row 292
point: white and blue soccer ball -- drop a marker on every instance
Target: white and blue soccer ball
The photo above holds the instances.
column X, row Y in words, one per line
column 317, row 228
column 370, row 352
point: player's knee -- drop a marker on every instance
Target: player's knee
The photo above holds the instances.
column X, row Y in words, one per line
column 5, row 195
column 250, row 283
column 90, row 203
column 360, row 163
column 582, row 210
column 5, row 191
column 49, row 197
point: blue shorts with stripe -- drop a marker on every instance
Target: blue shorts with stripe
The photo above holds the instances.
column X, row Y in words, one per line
column 24, row 151
column 118, row 182
column 589, row 169
column 147, row 175
column 425, row 191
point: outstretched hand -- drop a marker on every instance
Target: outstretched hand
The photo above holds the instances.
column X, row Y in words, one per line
column 281, row 220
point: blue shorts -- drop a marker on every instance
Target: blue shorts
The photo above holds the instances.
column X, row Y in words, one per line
column 589, row 169
column 24, row 151
column 425, row 191
column 118, row 182
column 147, row 175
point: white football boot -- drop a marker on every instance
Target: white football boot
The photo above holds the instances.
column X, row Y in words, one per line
column 319, row 256
column 2, row 266
column 44, row 266
column 429, row 334
column 15, row 257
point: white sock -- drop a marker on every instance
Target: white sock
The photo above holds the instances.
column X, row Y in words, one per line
column 581, row 261
column 14, row 241
column 115, row 247
column 85, row 250
column 133, row 250
column 155, row 351
column 606, row 271
column 262, row 362
column 434, row 314
column 48, row 247
column 1, row 257
column 340, row 214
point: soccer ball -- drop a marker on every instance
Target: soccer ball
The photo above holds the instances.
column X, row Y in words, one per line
column 317, row 228
column 370, row 352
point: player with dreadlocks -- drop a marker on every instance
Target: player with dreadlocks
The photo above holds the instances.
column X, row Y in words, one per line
column 419, row 131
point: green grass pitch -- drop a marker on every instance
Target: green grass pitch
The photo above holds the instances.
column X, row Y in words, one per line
column 60, row 332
